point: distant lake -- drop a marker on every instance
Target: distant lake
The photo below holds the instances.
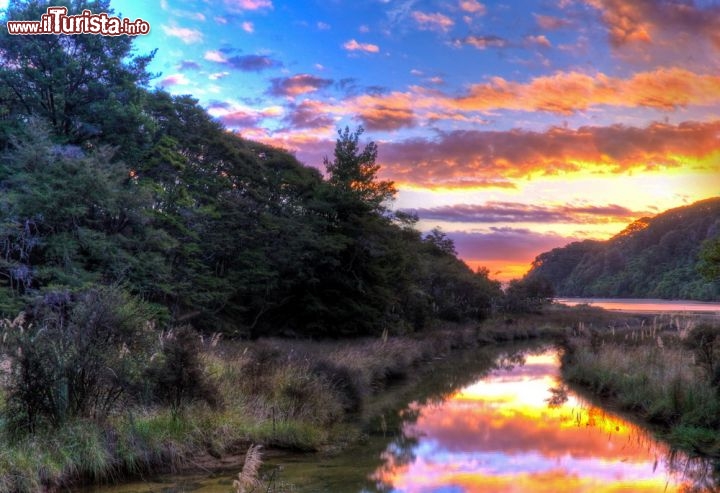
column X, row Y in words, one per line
column 644, row 305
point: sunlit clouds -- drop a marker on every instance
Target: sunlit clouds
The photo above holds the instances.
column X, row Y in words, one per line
column 500, row 123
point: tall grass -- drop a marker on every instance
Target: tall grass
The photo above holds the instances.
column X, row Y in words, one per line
column 652, row 370
column 278, row 393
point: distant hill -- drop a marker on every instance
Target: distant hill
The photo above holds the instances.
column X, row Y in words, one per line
column 654, row 257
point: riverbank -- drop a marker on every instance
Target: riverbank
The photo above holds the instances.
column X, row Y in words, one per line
column 290, row 394
column 665, row 371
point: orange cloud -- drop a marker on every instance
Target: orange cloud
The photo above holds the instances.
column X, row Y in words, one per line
column 297, row 84
column 670, row 25
column 540, row 40
column 472, row 6
column 567, row 92
column 516, row 154
column 564, row 93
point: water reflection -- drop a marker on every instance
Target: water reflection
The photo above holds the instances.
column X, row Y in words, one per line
column 509, row 432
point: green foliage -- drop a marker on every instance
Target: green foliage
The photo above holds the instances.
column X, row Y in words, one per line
column 86, row 87
column 704, row 342
column 710, row 259
column 659, row 257
column 353, row 171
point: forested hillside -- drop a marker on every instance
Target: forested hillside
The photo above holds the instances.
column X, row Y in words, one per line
column 660, row 257
column 105, row 182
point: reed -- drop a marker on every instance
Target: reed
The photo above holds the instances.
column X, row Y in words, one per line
column 664, row 373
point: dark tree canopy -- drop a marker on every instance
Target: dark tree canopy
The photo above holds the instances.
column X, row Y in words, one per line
column 659, row 257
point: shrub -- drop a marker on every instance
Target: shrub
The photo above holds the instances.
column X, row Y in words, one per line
column 178, row 377
column 74, row 355
column 528, row 295
column 704, row 342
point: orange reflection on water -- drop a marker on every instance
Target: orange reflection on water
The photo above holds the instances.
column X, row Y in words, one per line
column 501, row 435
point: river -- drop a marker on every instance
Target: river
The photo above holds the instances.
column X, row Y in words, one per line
column 646, row 305
column 513, row 428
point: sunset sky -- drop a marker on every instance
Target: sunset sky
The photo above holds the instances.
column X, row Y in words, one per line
column 514, row 126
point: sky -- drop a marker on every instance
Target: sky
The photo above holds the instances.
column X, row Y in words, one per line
column 514, row 126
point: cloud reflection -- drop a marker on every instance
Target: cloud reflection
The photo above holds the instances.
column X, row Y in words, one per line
column 501, row 435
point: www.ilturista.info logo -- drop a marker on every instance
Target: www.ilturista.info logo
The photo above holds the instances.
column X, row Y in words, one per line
column 56, row 21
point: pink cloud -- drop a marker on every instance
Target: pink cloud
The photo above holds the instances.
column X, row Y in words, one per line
column 353, row 45
column 433, row 22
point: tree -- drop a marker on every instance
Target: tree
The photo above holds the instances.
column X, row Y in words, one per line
column 710, row 260
column 86, row 86
column 354, row 171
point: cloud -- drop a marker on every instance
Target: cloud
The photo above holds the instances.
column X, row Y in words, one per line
column 433, row 22
column 248, row 27
column 475, row 155
column 248, row 63
column 309, row 114
column 382, row 111
column 551, row 23
column 483, row 42
column 387, row 118
column 189, row 65
column 540, row 40
column 184, row 34
column 249, row 4
column 653, row 29
column 515, row 212
column 297, row 84
column 509, row 245
column 353, row 45
column 322, row 26
column 240, row 117
column 472, row 6
column 218, row 75
column 215, row 56
column 175, row 80
column 567, row 92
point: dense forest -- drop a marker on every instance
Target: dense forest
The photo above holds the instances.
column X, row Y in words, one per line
column 673, row 255
column 105, row 182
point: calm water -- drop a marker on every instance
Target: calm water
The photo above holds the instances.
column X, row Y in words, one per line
column 642, row 305
column 515, row 429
